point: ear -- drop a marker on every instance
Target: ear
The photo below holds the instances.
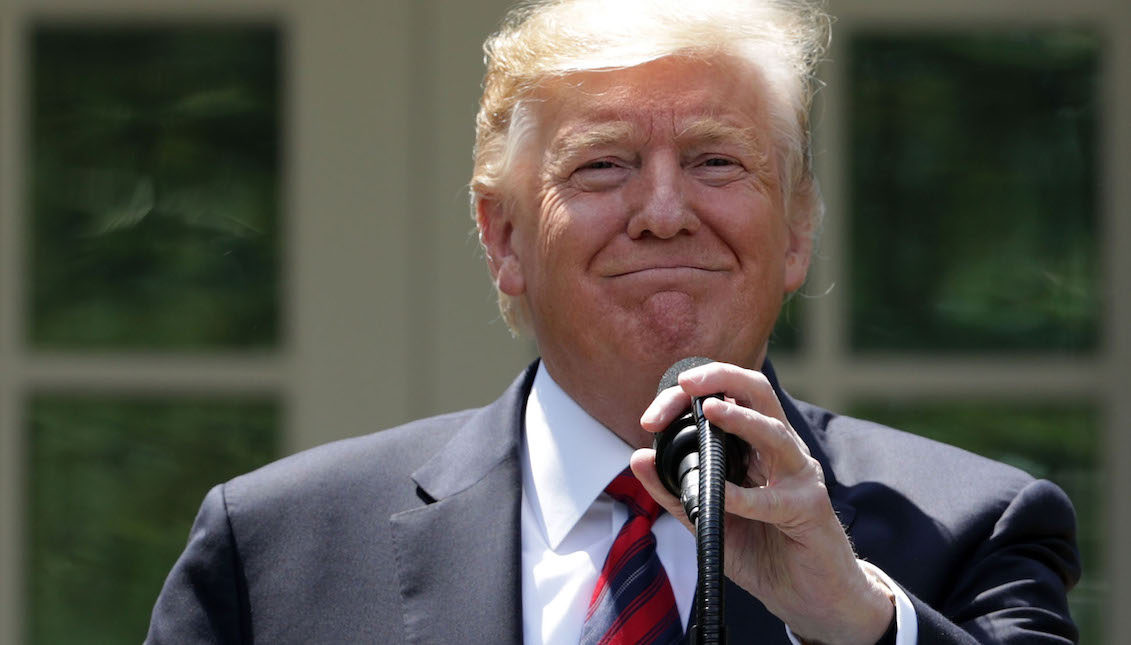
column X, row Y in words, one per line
column 496, row 232
column 797, row 255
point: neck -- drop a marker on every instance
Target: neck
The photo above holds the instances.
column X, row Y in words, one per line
column 617, row 396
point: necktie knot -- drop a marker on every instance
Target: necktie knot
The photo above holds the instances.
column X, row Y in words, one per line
column 627, row 489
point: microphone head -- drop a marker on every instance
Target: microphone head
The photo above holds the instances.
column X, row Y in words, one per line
column 671, row 377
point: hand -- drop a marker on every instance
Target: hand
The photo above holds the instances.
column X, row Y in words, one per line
column 784, row 544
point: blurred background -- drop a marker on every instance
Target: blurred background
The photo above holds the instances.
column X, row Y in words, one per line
column 231, row 232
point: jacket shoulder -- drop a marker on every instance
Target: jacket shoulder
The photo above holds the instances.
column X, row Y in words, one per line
column 912, row 496
column 367, row 461
column 860, row 450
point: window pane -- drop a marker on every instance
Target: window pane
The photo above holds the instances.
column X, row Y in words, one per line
column 154, row 187
column 1058, row 443
column 973, row 175
column 114, row 486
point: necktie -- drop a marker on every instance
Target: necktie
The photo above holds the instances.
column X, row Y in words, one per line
column 633, row 601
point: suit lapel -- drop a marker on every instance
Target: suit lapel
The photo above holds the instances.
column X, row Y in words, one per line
column 459, row 555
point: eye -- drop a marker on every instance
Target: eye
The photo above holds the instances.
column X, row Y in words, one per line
column 600, row 174
column 717, row 169
column 718, row 162
column 598, row 165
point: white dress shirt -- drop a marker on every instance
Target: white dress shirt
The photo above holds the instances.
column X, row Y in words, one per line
column 569, row 522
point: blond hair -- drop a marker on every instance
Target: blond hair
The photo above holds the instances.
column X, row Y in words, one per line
column 783, row 40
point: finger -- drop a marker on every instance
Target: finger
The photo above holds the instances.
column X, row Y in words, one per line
column 667, row 406
column 786, row 507
column 780, row 451
column 643, row 464
column 748, row 388
column 763, row 504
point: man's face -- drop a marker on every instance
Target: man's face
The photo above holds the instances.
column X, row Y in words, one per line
column 647, row 223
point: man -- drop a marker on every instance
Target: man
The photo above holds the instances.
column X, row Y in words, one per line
column 643, row 193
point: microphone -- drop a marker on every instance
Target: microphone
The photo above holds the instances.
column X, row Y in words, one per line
column 692, row 457
column 677, row 446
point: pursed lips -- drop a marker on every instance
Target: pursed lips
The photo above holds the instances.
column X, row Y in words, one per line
column 672, row 268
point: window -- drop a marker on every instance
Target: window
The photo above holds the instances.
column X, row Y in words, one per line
column 154, row 206
column 114, row 484
column 154, row 228
column 974, row 184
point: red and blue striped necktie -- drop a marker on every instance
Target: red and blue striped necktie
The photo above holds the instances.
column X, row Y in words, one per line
column 633, row 601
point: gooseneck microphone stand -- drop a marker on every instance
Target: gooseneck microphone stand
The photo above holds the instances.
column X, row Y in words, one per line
column 710, row 606
column 694, row 459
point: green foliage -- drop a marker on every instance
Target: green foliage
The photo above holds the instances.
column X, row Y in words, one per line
column 113, row 488
column 974, row 191
column 155, row 188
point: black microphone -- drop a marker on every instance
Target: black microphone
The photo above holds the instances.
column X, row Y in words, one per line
column 692, row 458
column 677, row 446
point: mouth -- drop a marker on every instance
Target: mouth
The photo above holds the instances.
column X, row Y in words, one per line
column 666, row 270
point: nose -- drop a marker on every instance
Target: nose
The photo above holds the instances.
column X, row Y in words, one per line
column 659, row 204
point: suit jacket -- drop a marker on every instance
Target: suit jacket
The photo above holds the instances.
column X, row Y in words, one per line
column 411, row 535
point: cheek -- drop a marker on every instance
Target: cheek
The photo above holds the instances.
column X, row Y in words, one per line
column 574, row 227
column 749, row 221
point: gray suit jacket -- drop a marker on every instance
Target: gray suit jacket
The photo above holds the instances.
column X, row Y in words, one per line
column 411, row 535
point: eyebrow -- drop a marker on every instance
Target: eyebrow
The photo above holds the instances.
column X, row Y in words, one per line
column 708, row 131
column 700, row 132
column 751, row 141
column 583, row 139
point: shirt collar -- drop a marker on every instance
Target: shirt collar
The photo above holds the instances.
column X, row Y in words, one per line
column 570, row 458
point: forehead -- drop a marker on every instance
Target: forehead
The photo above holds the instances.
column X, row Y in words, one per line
column 674, row 96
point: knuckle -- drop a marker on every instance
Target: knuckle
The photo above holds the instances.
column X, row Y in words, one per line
column 760, row 380
column 779, row 430
column 814, row 468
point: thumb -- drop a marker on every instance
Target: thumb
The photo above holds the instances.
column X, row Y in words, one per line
column 643, row 463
